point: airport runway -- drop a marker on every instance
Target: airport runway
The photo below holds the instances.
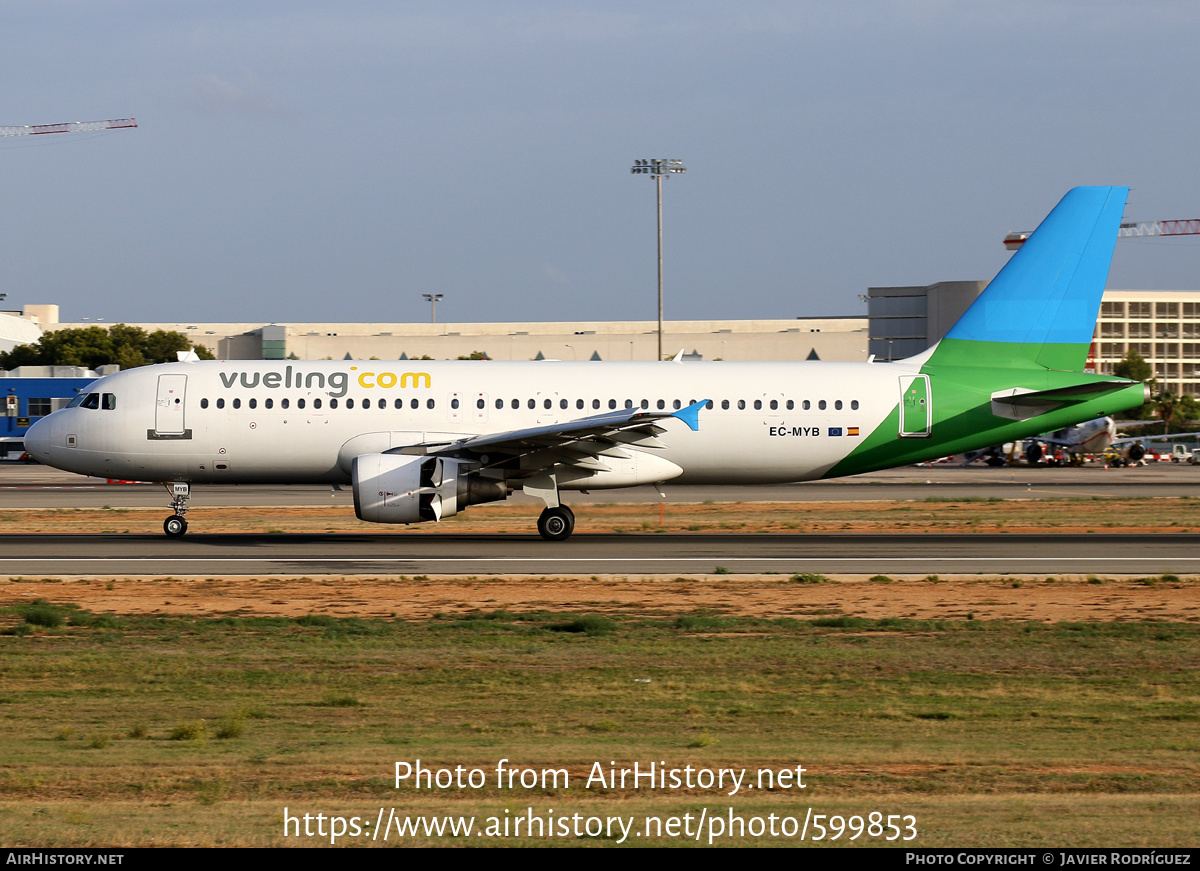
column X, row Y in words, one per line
column 41, row 487
column 428, row 552
column 444, row 554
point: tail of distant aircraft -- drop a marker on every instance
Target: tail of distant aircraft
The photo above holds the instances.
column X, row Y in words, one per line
column 1040, row 310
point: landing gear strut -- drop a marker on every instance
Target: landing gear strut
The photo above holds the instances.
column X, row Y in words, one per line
column 556, row 524
column 175, row 525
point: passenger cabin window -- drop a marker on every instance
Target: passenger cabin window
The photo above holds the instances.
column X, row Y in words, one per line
column 237, row 403
column 220, row 403
column 204, row 403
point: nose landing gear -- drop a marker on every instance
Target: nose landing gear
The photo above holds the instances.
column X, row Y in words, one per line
column 175, row 525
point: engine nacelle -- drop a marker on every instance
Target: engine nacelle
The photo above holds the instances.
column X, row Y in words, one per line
column 400, row 488
column 1135, row 451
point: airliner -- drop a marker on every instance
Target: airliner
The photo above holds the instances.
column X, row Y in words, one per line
column 421, row 441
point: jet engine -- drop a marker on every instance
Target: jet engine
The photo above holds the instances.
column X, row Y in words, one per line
column 400, row 488
column 1034, row 453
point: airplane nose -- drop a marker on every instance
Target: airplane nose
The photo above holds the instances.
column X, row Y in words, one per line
column 37, row 440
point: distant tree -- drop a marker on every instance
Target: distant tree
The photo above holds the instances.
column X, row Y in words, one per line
column 476, row 355
column 1187, row 409
column 90, row 347
column 1166, row 404
column 1134, row 367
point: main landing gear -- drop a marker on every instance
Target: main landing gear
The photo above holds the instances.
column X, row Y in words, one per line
column 556, row 524
column 175, row 525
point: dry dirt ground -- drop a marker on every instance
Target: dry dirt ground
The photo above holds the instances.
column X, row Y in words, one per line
column 1027, row 598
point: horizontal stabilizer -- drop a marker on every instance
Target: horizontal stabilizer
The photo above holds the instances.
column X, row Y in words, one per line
column 1018, row 403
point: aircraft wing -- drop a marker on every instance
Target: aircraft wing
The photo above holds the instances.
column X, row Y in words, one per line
column 1125, row 440
column 577, row 443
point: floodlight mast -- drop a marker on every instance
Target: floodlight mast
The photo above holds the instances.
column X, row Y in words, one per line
column 659, row 168
column 432, row 299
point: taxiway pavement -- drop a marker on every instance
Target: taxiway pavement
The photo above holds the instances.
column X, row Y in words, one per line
column 440, row 553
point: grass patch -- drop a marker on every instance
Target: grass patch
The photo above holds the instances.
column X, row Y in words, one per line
column 587, row 624
column 42, row 613
column 151, row 731
column 193, row 730
column 809, row 578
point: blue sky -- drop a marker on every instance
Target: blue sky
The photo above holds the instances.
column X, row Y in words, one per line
column 310, row 161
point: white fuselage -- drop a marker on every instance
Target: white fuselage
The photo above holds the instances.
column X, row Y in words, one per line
column 304, row 421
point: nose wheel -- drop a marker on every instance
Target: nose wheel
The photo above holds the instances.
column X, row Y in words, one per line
column 175, row 526
column 556, row 524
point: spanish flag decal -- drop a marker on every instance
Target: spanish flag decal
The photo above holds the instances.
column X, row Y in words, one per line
column 851, row 430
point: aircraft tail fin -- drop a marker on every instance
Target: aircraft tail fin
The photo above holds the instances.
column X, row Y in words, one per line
column 1041, row 309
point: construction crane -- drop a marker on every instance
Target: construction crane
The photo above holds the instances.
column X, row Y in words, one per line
column 69, row 127
column 1188, row 227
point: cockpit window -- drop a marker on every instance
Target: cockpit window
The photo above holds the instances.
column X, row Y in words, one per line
column 108, row 402
column 92, row 400
column 78, row 400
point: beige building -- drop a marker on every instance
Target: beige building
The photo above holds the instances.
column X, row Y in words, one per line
column 1161, row 325
column 837, row 338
